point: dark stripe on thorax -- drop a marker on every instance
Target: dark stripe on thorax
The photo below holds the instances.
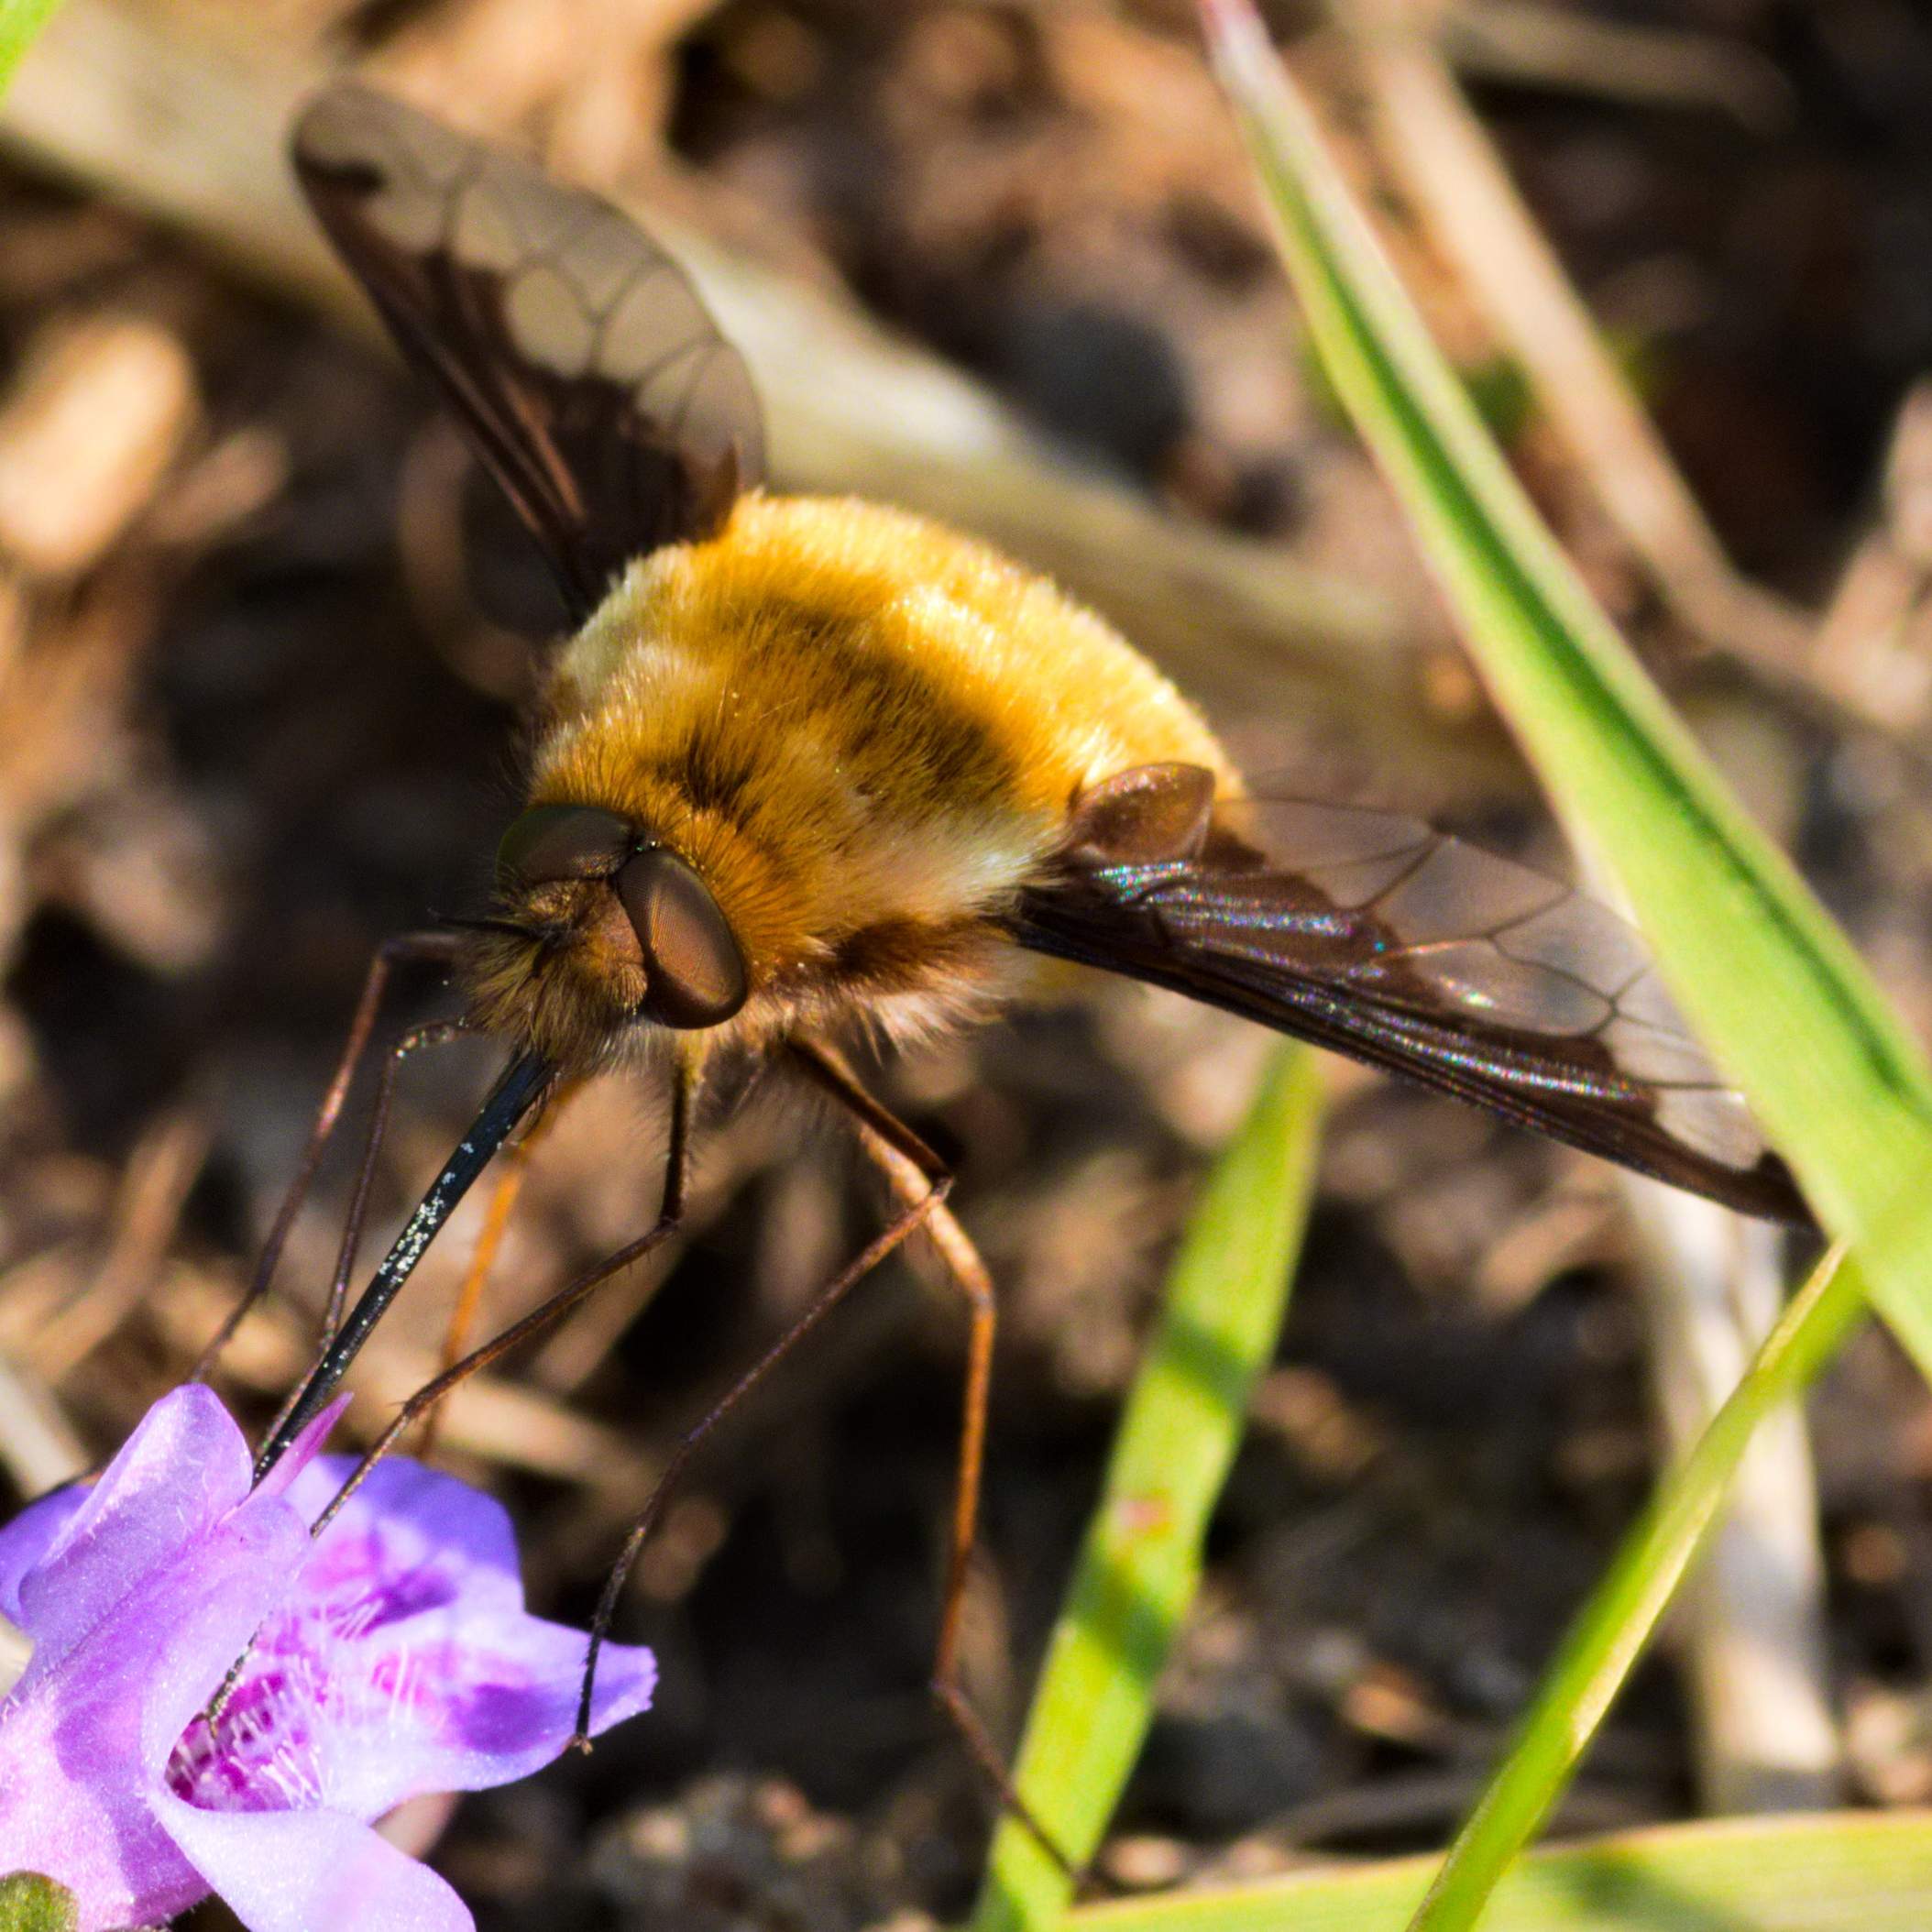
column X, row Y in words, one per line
column 879, row 707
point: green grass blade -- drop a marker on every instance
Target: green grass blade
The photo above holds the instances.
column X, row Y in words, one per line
column 1845, row 1872
column 1225, row 1297
column 1764, row 974
column 1762, row 970
column 20, row 23
column 1606, row 1637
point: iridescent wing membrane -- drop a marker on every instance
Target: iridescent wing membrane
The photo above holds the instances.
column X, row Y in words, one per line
column 1376, row 935
column 583, row 369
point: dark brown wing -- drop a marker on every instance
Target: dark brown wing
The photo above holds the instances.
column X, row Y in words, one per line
column 1381, row 937
column 585, row 371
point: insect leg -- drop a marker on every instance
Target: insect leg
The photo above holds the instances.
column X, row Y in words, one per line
column 502, row 1205
column 915, row 1173
column 822, row 1305
column 670, row 1212
column 399, row 949
column 439, row 1033
column 424, row 1402
column 518, row 1088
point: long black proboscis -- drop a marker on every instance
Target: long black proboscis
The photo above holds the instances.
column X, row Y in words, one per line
column 523, row 1083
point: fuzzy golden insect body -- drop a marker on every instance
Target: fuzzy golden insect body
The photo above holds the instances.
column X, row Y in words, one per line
column 809, row 767
column 864, row 732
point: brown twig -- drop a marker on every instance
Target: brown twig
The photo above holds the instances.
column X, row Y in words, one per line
column 146, row 1215
column 1543, row 46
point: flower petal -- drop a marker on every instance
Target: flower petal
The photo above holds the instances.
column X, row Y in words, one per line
column 390, row 1659
column 420, row 1518
column 86, row 1732
column 174, row 1478
column 473, row 1705
column 210, row 1605
column 26, row 1539
column 440, row 1679
column 59, row 1816
column 298, row 1870
column 300, row 1452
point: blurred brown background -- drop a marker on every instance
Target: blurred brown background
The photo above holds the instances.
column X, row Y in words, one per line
column 261, row 644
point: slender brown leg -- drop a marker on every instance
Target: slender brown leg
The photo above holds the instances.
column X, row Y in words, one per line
column 820, row 1306
column 560, row 1304
column 502, row 1205
column 671, row 1211
column 914, row 1173
column 438, row 1033
column 401, row 948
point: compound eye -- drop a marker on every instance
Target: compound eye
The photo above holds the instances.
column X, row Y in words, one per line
column 692, row 964
column 552, row 843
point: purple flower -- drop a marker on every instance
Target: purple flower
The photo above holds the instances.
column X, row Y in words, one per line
column 392, row 1657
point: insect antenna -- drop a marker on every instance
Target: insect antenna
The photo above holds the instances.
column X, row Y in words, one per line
column 523, row 1083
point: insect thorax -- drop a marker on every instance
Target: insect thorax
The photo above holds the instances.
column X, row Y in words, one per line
column 863, row 732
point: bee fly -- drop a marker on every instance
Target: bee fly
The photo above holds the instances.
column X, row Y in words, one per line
column 810, row 767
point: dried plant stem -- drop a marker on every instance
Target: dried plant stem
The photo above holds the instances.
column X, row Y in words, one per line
column 39, row 1448
column 1753, row 1627
column 1543, row 46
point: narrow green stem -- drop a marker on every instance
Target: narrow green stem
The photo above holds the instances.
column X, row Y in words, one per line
column 1824, row 1872
column 1605, row 1639
column 1140, row 1563
column 1770, row 982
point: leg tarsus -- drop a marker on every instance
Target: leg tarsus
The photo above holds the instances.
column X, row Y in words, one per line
column 957, row 1709
column 910, row 1169
column 648, row 1518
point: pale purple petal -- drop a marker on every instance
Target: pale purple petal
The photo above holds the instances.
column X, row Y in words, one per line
column 300, row 1452
column 390, row 1659
column 95, row 1837
column 181, row 1469
column 463, row 1710
column 436, row 1538
column 86, row 1732
column 438, row 1659
column 312, row 1872
column 209, row 1626
column 26, row 1539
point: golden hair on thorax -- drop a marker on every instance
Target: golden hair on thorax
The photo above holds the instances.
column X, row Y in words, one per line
column 863, row 731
